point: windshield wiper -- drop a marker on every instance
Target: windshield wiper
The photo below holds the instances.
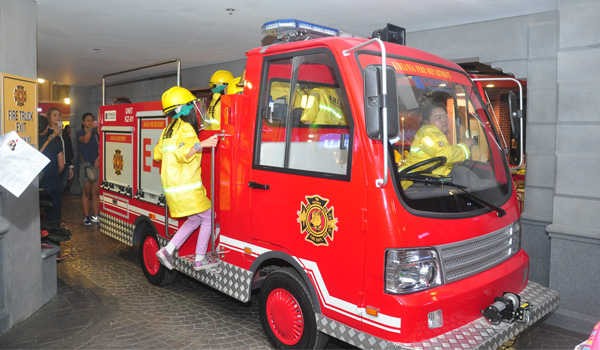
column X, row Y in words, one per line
column 443, row 181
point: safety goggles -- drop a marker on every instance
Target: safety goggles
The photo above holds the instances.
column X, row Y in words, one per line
column 186, row 109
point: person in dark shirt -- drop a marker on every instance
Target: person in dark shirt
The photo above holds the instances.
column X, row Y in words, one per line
column 88, row 147
column 56, row 127
column 50, row 180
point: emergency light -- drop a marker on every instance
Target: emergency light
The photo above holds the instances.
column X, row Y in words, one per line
column 288, row 30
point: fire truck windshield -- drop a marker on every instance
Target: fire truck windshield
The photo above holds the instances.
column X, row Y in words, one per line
column 447, row 157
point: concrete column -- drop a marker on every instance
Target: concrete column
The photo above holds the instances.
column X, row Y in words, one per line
column 574, row 231
column 4, row 226
column 20, row 249
column 540, row 144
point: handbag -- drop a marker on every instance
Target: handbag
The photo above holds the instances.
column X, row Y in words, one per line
column 88, row 171
column 92, row 173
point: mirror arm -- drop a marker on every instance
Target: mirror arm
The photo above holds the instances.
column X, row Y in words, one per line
column 380, row 182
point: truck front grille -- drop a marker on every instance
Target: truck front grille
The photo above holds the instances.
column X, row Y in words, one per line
column 466, row 258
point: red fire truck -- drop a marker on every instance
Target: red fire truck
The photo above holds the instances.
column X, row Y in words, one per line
column 313, row 209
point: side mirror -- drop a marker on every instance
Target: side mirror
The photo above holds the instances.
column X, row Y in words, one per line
column 515, row 114
column 375, row 101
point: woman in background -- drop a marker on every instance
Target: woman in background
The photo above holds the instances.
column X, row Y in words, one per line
column 56, row 125
column 88, row 147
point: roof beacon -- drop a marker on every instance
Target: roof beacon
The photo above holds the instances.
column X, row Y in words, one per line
column 288, row 30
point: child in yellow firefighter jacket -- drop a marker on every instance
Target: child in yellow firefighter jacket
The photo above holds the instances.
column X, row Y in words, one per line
column 180, row 152
column 430, row 141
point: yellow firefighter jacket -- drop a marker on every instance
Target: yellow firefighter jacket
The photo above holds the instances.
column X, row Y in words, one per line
column 430, row 142
column 325, row 108
column 181, row 178
column 214, row 112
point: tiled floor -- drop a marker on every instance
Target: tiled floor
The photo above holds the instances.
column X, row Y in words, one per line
column 105, row 302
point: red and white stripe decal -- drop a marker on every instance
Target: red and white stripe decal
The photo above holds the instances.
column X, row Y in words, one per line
column 107, row 201
column 382, row 321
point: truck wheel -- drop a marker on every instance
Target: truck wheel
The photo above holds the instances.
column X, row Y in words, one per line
column 287, row 312
column 155, row 272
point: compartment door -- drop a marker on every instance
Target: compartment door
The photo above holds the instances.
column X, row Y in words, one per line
column 118, row 160
column 151, row 124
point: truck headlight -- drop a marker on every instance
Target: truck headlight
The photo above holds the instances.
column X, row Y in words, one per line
column 409, row 271
column 516, row 237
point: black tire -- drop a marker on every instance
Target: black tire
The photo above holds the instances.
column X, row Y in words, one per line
column 287, row 312
column 155, row 272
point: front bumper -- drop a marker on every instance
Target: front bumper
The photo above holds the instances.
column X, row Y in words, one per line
column 478, row 334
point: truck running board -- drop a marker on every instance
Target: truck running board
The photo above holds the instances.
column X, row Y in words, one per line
column 227, row 278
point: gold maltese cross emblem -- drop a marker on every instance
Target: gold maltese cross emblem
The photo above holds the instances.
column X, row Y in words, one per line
column 118, row 162
column 20, row 95
column 317, row 221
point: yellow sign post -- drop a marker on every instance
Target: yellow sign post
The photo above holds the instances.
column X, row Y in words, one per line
column 19, row 107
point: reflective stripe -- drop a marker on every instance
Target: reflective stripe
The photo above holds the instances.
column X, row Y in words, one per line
column 428, row 141
column 327, row 108
column 415, row 150
column 168, row 147
column 183, row 188
column 465, row 149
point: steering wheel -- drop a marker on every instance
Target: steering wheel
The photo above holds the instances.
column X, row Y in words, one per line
column 437, row 162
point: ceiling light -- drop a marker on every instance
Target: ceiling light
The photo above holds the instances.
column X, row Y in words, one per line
column 41, row 80
column 490, row 85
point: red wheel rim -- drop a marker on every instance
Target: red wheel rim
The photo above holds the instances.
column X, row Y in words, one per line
column 150, row 260
column 285, row 316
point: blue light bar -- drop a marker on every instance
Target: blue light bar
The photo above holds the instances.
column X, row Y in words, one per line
column 291, row 28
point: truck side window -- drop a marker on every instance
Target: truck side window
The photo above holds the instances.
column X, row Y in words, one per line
column 305, row 126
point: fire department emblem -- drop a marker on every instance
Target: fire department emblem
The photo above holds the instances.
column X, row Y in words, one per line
column 118, row 162
column 317, row 221
column 12, row 144
column 20, row 95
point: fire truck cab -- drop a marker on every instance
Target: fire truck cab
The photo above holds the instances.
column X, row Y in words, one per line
column 314, row 207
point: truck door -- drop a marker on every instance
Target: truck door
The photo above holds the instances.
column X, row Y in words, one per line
column 307, row 196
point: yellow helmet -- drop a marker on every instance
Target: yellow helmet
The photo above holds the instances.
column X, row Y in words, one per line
column 175, row 97
column 234, row 86
column 220, row 77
